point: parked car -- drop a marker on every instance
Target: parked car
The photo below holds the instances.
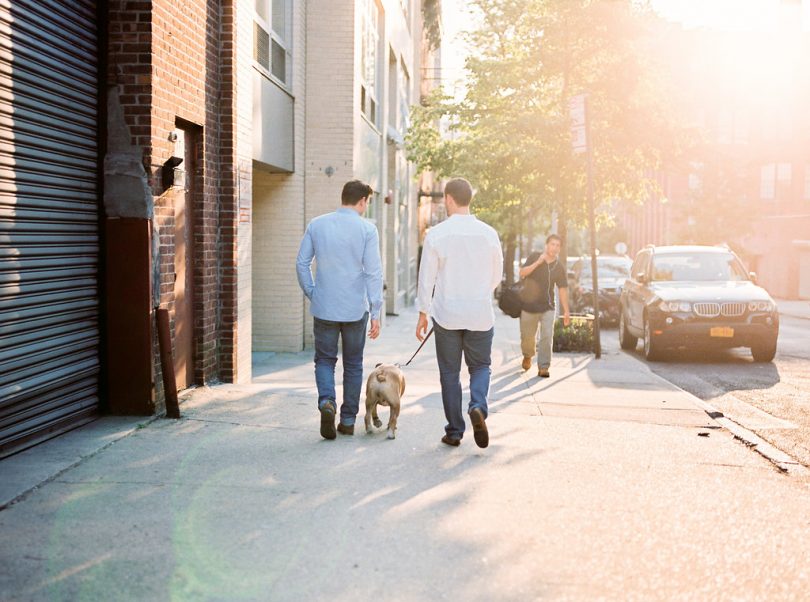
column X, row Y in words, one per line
column 612, row 271
column 695, row 296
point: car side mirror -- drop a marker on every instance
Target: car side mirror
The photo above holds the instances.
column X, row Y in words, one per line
column 641, row 277
column 753, row 277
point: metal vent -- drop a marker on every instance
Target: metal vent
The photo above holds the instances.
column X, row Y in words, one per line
column 707, row 310
column 261, row 46
column 733, row 310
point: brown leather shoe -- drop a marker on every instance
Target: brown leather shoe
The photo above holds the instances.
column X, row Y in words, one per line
column 543, row 372
column 345, row 429
column 328, row 421
column 480, row 432
column 451, row 441
column 527, row 362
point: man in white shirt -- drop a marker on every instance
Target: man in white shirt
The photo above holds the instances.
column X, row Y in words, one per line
column 462, row 263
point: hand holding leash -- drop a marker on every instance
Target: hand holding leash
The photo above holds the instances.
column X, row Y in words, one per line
column 423, row 339
column 421, row 327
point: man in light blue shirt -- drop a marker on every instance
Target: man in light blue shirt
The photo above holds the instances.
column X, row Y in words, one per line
column 346, row 289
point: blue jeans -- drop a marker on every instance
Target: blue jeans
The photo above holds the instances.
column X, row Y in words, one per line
column 353, row 336
column 477, row 348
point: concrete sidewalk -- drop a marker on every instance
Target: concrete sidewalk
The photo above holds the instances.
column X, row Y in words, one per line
column 794, row 309
column 602, row 482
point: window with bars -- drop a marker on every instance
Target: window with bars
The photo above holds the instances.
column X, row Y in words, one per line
column 272, row 39
column 369, row 60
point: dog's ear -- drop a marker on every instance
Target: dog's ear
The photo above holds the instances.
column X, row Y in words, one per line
column 378, row 365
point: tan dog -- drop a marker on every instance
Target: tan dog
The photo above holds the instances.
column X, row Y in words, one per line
column 385, row 386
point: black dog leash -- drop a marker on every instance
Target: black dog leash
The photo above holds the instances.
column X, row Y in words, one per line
column 425, row 340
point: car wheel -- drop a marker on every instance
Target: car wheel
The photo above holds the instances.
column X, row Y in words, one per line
column 626, row 340
column 652, row 350
column 764, row 352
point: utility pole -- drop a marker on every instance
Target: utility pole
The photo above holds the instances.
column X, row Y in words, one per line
column 582, row 143
column 597, row 334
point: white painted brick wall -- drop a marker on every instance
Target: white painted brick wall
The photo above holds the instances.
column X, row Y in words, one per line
column 278, row 210
column 244, row 153
column 326, row 63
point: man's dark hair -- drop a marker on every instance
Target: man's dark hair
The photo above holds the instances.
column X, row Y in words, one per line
column 461, row 191
column 553, row 237
column 353, row 191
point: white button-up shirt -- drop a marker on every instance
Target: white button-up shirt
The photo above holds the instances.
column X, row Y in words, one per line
column 463, row 260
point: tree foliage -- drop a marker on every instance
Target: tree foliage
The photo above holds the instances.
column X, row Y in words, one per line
column 510, row 133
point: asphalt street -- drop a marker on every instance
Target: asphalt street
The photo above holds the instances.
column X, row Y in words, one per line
column 769, row 399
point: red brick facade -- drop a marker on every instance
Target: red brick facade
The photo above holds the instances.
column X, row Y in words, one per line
column 173, row 65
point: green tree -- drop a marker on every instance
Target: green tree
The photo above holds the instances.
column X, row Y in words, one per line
column 510, row 133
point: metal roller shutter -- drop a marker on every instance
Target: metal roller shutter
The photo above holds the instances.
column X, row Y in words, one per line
column 49, row 219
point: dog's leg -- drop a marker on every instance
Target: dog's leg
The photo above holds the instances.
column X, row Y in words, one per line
column 370, row 407
column 392, row 420
column 377, row 421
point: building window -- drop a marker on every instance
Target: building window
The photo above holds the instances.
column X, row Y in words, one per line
column 272, row 39
column 775, row 181
column 369, row 67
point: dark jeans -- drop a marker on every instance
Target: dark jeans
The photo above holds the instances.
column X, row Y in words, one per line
column 477, row 349
column 353, row 337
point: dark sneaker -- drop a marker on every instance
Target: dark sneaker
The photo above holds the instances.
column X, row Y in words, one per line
column 345, row 429
column 527, row 363
column 451, row 441
column 543, row 373
column 328, row 421
column 480, row 432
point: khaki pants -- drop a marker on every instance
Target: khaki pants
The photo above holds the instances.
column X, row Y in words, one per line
column 528, row 336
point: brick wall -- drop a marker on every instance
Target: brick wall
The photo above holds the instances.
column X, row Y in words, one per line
column 324, row 90
column 332, row 108
column 174, row 65
column 279, row 200
column 244, row 159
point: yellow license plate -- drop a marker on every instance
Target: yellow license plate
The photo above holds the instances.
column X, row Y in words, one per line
column 722, row 331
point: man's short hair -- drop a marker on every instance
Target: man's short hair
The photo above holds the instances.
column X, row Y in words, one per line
column 553, row 237
column 461, row 191
column 354, row 191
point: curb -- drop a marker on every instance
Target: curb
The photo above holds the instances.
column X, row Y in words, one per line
column 778, row 458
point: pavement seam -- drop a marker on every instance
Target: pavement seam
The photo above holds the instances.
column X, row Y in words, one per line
column 263, row 426
column 51, row 478
column 782, row 461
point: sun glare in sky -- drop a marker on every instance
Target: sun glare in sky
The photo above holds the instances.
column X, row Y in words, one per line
column 736, row 15
column 729, row 15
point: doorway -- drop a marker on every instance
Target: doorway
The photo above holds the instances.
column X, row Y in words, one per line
column 186, row 144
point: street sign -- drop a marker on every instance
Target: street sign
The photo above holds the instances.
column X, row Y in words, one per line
column 576, row 110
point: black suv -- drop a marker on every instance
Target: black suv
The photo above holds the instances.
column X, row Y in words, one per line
column 692, row 296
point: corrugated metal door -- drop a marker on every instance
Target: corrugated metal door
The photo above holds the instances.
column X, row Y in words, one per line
column 49, row 219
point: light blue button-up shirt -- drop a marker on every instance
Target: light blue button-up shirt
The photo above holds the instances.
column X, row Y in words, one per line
column 348, row 278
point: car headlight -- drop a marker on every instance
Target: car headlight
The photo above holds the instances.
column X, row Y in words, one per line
column 760, row 306
column 675, row 306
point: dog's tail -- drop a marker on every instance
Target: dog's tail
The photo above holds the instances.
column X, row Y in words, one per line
column 381, row 377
